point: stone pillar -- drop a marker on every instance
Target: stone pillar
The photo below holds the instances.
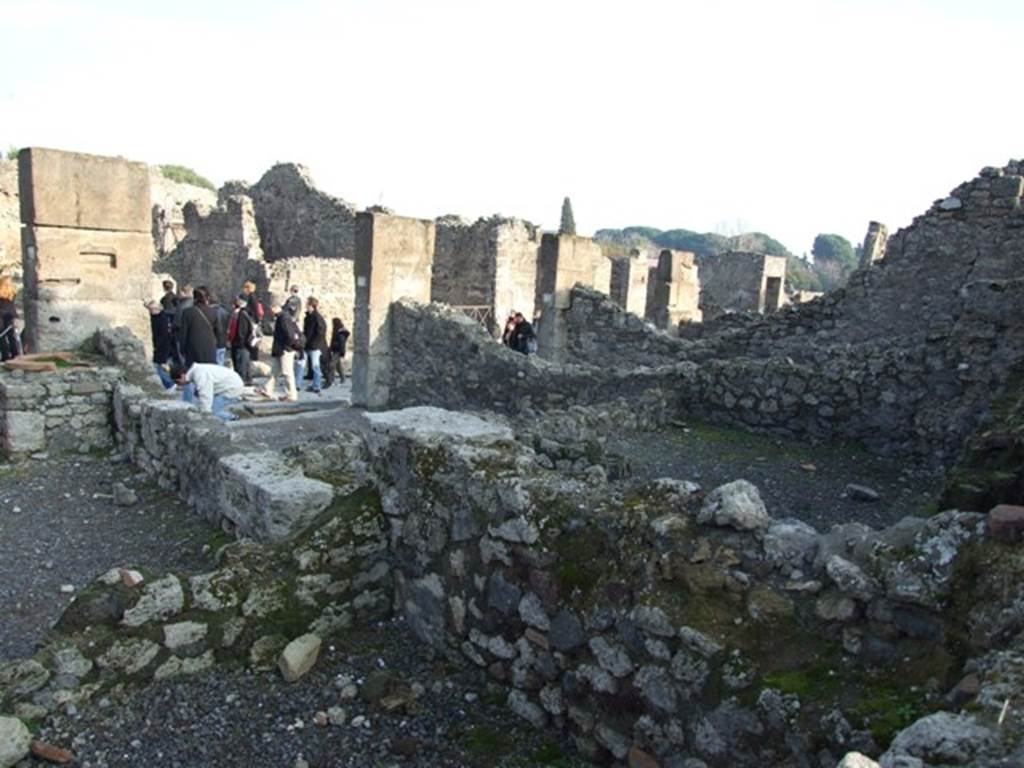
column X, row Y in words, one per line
column 874, row 244
column 676, row 295
column 629, row 282
column 564, row 261
column 87, row 246
column 394, row 256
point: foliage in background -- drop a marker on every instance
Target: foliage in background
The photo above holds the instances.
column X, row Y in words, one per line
column 12, row 152
column 185, row 175
column 835, row 257
column 568, row 225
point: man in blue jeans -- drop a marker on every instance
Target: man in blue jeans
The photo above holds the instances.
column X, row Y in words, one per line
column 216, row 388
column 314, row 327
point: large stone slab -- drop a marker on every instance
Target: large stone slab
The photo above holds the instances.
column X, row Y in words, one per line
column 70, row 189
column 429, row 424
column 268, row 499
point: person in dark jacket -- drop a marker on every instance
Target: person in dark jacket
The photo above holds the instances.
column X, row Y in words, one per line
column 10, row 338
column 197, row 334
column 339, row 341
column 288, row 342
column 524, row 339
column 315, row 329
column 220, row 328
column 240, row 338
column 160, row 323
column 255, row 310
column 169, row 301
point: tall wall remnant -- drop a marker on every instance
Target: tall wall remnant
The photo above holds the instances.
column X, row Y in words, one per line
column 742, row 281
column 394, row 255
column 875, row 242
column 629, row 282
column 488, row 268
column 564, row 261
column 87, row 245
column 10, row 221
column 676, row 294
column 222, row 247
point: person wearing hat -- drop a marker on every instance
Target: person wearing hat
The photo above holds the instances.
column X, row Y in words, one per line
column 288, row 340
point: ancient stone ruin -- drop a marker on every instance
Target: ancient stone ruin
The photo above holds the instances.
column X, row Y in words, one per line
column 480, row 495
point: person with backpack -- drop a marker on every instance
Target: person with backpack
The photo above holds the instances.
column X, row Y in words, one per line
column 241, row 338
column 288, row 341
column 339, row 340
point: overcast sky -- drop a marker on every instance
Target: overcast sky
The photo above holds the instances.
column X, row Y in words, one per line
column 787, row 117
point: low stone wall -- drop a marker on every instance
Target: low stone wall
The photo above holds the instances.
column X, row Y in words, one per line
column 136, row 626
column 68, row 410
column 440, row 357
column 672, row 625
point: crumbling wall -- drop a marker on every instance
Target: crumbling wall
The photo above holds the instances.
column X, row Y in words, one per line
column 297, row 219
column 487, row 267
column 331, row 281
column 676, row 296
column 741, row 281
column 169, row 200
column 221, row 249
column 629, row 278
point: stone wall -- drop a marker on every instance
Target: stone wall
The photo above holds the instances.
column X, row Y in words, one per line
column 489, row 265
column 331, row 281
column 88, row 246
column 676, row 296
column 69, row 410
column 297, row 219
column 739, row 281
column 629, row 282
column 169, row 200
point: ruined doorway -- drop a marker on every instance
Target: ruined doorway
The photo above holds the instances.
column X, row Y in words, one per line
column 773, row 294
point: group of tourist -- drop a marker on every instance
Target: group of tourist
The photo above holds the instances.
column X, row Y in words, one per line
column 193, row 335
column 519, row 334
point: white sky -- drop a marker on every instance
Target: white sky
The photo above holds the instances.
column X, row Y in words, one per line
column 792, row 117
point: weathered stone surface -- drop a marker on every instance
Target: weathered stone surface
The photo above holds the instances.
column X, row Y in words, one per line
column 861, row 492
column 23, row 676
column 736, row 505
column 531, row 611
column 611, row 656
column 267, row 499
column 637, row 758
column 850, row 578
column 857, row 760
column 521, row 705
column 71, row 189
column 652, row 620
column 130, row 655
column 566, row 631
column 50, row 753
column 299, row 656
column 1005, row 523
column 183, row 634
column 942, row 738
column 657, row 687
column 15, row 740
column 24, row 432
column 160, row 599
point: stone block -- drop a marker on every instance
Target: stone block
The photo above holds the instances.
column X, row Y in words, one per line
column 299, row 656
column 1006, row 523
column 24, row 432
column 70, row 189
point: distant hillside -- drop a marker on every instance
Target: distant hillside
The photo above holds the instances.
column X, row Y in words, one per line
column 800, row 274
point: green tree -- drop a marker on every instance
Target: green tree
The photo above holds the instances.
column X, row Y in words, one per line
column 836, row 249
column 568, row 225
column 12, row 152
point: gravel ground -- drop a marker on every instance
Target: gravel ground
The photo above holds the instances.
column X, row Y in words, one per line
column 796, row 479
column 59, row 527
column 230, row 717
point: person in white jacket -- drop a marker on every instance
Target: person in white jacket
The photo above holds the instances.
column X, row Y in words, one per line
column 217, row 388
